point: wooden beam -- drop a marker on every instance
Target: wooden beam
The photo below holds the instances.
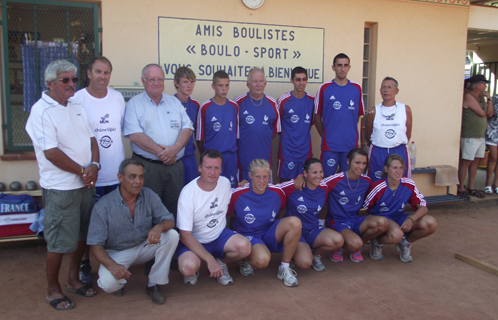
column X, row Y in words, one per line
column 477, row 263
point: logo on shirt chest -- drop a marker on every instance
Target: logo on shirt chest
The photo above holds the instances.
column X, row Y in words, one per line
column 390, row 134
column 351, row 105
column 212, row 223
column 231, row 126
column 343, row 200
column 337, row 105
column 104, row 119
column 105, row 142
column 308, row 117
column 214, row 204
column 318, row 210
column 273, row 215
column 294, row 118
column 216, row 126
column 249, row 218
column 250, row 119
column 265, row 120
column 301, row 208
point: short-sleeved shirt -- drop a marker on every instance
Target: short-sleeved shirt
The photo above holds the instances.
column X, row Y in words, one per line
column 382, row 201
column 305, row 204
column 204, row 212
column 255, row 213
column 112, row 225
column 218, row 125
column 340, row 107
column 191, row 107
column 106, row 117
column 296, row 116
column 162, row 123
column 258, row 121
column 345, row 196
column 52, row 125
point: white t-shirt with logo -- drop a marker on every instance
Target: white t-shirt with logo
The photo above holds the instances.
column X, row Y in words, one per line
column 106, row 118
column 389, row 126
column 204, row 212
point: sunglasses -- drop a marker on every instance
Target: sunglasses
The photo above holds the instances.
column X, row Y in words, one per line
column 66, row 80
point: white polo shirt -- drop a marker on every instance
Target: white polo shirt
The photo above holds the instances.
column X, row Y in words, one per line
column 52, row 125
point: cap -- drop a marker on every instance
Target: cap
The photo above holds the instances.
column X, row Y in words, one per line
column 478, row 78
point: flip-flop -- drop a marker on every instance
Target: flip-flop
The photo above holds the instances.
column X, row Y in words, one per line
column 476, row 193
column 55, row 302
column 488, row 190
column 81, row 291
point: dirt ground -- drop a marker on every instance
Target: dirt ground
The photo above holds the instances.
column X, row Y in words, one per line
column 434, row 286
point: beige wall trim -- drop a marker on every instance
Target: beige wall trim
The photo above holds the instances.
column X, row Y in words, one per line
column 465, row 3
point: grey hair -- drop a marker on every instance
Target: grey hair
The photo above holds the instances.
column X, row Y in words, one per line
column 258, row 163
column 391, row 79
column 127, row 162
column 473, row 85
column 144, row 70
column 58, row 66
column 251, row 71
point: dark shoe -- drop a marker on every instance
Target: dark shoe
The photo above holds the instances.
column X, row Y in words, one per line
column 118, row 293
column 464, row 195
column 476, row 193
column 156, row 295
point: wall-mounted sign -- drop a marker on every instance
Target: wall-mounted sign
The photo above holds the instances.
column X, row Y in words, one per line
column 208, row 46
column 129, row 92
column 451, row 2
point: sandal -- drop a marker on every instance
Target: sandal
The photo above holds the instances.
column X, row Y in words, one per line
column 82, row 291
column 476, row 193
column 55, row 303
column 464, row 195
column 488, row 190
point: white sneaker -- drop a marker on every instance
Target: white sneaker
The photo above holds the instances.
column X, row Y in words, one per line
column 405, row 252
column 376, row 250
column 225, row 279
column 191, row 280
column 245, row 268
column 288, row 275
column 317, row 263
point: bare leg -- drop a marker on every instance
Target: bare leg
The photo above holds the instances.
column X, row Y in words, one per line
column 351, row 240
column 421, row 228
column 303, row 256
column 259, row 257
column 236, row 248
column 73, row 279
column 327, row 241
column 288, row 231
column 372, row 227
column 472, row 173
column 54, row 291
column 393, row 234
column 188, row 263
column 463, row 166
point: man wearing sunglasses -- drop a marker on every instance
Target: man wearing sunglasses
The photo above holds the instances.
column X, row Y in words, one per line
column 68, row 161
column 105, row 109
column 158, row 128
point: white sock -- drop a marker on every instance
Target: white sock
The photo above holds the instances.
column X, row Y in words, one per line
column 150, row 284
column 321, row 222
column 284, row 264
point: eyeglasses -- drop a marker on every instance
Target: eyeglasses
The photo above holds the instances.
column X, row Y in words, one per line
column 152, row 80
column 66, row 80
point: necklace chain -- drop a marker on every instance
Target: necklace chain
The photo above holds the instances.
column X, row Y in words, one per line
column 357, row 184
column 257, row 105
column 394, row 192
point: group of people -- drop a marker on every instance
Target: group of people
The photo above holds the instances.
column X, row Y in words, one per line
column 479, row 130
column 126, row 210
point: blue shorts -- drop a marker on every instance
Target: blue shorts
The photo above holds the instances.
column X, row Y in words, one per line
column 310, row 235
column 352, row 224
column 399, row 218
column 229, row 169
column 289, row 169
column 269, row 240
column 190, row 171
column 215, row 247
column 331, row 160
column 377, row 156
column 102, row 191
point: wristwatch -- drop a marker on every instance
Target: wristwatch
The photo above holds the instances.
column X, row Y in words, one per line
column 97, row 164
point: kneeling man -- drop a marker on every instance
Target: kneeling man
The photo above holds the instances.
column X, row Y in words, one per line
column 202, row 209
column 130, row 226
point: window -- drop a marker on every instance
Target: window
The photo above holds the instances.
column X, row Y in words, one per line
column 368, row 79
column 34, row 33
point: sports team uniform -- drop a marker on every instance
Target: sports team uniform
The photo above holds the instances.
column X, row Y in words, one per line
column 258, row 121
column 255, row 214
column 204, row 214
column 296, row 116
column 345, row 200
column 306, row 205
column 388, row 137
column 188, row 159
column 218, row 126
column 340, row 107
column 106, row 118
column 382, row 201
